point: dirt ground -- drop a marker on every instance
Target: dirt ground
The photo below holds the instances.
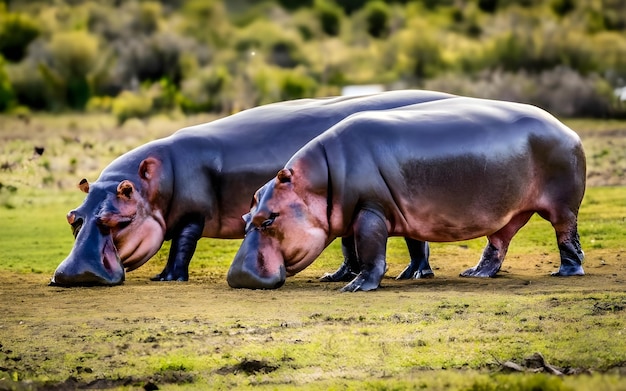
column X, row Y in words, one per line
column 102, row 337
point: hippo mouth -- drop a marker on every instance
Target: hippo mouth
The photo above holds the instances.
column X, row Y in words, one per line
column 110, row 258
column 96, row 268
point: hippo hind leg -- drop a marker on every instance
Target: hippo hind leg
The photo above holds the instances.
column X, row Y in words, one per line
column 566, row 229
column 370, row 238
column 494, row 252
column 419, row 266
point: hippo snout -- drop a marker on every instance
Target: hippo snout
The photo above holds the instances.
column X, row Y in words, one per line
column 246, row 271
column 93, row 261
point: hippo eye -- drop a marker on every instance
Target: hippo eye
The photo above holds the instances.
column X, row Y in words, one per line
column 270, row 220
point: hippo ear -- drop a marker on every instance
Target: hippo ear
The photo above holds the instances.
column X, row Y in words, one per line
column 149, row 172
column 285, row 175
column 83, row 185
column 149, row 168
column 125, row 189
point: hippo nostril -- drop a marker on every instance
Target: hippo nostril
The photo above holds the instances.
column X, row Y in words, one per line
column 76, row 225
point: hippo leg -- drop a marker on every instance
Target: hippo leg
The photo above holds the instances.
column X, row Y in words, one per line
column 370, row 238
column 181, row 251
column 418, row 267
column 350, row 266
column 494, row 252
column 570, row 250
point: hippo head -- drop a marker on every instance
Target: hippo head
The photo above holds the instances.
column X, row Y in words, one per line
column 285, row 233
column 116, row 228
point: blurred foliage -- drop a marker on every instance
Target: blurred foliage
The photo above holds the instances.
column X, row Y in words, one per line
column 136, row 58
column 7, row 98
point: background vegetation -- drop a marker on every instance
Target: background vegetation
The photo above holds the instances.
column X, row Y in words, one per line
column 134, row 58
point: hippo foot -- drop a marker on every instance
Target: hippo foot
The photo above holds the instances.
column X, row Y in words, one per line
column 168, row 277
column 569, row 271
column 362, row 282
column 332, row 277
column 342, row 274
column 409, row 274
column 475, row 272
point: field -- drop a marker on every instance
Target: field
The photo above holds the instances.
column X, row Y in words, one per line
column 446, row 333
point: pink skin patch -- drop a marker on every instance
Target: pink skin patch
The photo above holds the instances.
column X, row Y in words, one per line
column 110, row 257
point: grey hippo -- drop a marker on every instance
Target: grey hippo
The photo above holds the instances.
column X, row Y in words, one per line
column 441, row 171
column 198, row 183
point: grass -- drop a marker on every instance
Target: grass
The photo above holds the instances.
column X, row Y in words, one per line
column 446, row 333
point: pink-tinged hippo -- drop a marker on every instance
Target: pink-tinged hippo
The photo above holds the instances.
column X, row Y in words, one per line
column 442, row 171
column 198, row 183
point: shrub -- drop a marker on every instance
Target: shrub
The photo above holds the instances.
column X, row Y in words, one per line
column 416, row 54
column 205, row 91
column 29, row 87
column 152, row 58
column 273, row 44
column 377, row 15
column 131, row 105
column 17, row 31
column 207, row 21
column 74, row 55
column 562, row 7
column 561, row 91
column 7, row 98
column 276, row 84
column 329, row 15
column 148, row 17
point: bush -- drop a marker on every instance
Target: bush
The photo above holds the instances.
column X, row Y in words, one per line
column 561, row 91
column 74, row 54
column 7, row 98
column 377, row 15
column 541, row 49
column 204, row 91
column 131, row 105
column 17, row 31
column 417, row 55
column 207, row 21
column 30, row 88
column 276, row 84
column 153, row 58
column 329, row 15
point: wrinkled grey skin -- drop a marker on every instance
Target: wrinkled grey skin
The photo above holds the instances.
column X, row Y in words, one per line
column 197, row 183
column 443, row 171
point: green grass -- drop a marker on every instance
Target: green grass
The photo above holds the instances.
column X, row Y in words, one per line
column 446, row 333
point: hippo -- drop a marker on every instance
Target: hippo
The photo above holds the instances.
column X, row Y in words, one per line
column 442, row 171
column 198, row 183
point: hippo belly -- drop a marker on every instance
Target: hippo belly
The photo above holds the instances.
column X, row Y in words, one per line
column 442, row 171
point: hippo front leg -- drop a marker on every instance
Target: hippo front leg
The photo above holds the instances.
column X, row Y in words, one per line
column 370, row 238
column 418, row 267
column 350, row 266
column 182, row 249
